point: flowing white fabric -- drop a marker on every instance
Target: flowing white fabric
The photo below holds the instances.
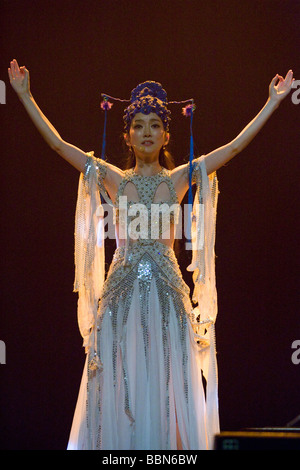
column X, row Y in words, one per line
column 89, row 251
column 205, row 292
column 149, row 430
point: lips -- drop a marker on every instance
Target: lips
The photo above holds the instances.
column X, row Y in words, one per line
column 147, row 142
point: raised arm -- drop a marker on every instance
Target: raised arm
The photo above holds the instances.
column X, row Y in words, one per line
column 279, row 88
column 19, row 79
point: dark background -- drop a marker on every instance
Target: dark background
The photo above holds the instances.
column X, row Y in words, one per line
column 222, row 53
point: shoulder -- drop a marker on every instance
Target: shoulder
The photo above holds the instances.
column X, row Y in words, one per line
column 105, row 169
column 181, row 172
column 109, row 175
column 180, row 176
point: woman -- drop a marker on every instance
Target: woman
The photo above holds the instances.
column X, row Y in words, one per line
column 147, row 348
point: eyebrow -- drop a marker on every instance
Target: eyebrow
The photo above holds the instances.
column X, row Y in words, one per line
column 143, row 120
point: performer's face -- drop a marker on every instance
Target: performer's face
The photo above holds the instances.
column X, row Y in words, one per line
column 147, row 135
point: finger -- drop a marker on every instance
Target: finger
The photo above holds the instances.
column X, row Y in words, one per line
column 273, row 81
column 9, row 74
column 16, row 63
column 288, row 80
column 16, row 67
column 26, row 72
column 289, row 77
column 12, row 70
column 15, row 71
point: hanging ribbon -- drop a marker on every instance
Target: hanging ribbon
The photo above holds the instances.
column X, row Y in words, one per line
column 105, row 105
column 188, row 111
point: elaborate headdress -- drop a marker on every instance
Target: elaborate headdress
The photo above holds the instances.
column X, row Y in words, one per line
column 150, row 97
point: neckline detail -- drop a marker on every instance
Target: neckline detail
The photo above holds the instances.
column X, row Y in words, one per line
column 148, row 176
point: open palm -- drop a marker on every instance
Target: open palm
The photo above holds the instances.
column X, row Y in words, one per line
column 18, row 77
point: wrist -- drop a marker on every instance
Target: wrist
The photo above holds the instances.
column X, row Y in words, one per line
column 272, row 104
column 25, row 96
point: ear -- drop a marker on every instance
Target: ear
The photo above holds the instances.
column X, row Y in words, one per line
column 127, row 139
column 167, row 138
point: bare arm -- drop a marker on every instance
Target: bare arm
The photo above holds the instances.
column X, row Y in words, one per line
column 73, row 155
column 19, row 79
column 219, row 157
column 69, row 152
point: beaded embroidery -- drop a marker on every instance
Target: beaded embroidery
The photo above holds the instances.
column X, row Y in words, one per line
column 154, row 213
column 150, row 262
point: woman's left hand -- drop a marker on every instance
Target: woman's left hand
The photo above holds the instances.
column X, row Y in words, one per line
column 280, row 87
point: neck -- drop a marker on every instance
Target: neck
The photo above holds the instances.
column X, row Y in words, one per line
column 147, row 169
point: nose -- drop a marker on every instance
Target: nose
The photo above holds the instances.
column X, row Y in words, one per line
column 147, row 130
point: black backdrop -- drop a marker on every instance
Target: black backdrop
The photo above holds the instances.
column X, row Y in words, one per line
column 224, row 54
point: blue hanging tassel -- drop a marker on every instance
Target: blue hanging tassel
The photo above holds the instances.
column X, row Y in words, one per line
column 105, row 105
column 104, row 136
column 189, row 111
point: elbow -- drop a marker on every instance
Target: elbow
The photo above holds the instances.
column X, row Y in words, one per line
column 234, row 149
column 57, row 146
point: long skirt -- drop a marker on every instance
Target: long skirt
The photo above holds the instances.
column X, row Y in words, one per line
column 147, row 391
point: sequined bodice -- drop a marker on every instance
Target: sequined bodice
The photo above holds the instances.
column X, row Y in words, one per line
column 147, row 185
column 152, row 213
column 145, row 208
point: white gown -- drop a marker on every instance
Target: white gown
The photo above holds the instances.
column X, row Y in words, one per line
column 147, row 349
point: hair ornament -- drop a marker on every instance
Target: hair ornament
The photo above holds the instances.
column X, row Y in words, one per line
column 105, row 104
column 189, row 109
column 107, row 97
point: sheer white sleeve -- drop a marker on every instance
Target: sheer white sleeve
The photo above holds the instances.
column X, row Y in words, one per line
column 89, row 246
column 203, row 230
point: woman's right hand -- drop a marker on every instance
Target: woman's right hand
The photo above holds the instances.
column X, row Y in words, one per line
column 19, row 78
